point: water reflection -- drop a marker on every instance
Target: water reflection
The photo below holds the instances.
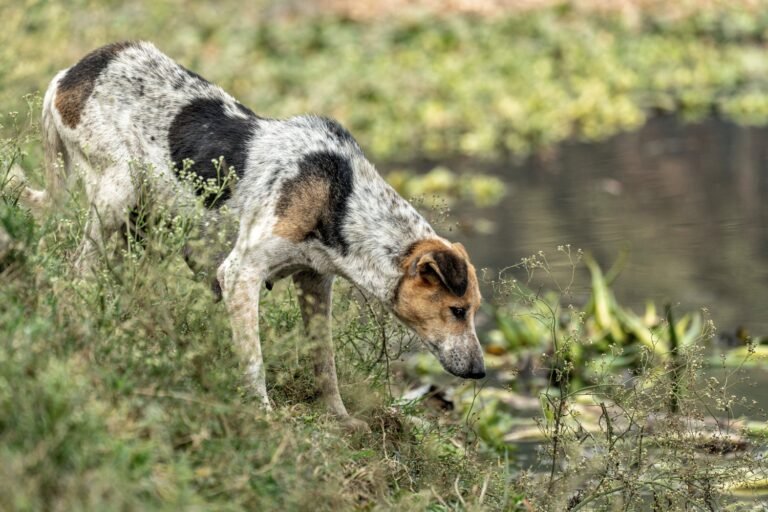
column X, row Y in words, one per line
column 688, row 200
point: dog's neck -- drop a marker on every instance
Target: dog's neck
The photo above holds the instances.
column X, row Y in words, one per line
column 380, row 226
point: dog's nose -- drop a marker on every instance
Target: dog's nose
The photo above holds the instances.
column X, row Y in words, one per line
column 476, row 370
column 477, row 374
column 476, row 362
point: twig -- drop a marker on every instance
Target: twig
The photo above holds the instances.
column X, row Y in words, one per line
column 458, row 493
column 674, row 405
column 441, row 500
column 482, row 491
column 275, row 456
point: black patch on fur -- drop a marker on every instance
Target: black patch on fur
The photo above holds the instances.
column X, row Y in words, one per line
column 338, row 131
column 454, row 270
column 203, row 132
column 271, row 181
column 90, row 67
column 398, row 287
column 76, row 86
column 337, row 171
column 407, row 252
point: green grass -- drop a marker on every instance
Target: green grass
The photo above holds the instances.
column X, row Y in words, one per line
column 122, row 392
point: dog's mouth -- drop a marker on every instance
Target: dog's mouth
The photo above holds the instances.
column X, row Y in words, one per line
column 433, row 346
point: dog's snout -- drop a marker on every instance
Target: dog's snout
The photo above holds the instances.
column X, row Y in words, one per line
column 458, row 364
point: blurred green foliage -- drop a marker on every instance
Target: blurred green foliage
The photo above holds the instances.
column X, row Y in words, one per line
column 601, row 337
column 426, row 87
column 477, row 188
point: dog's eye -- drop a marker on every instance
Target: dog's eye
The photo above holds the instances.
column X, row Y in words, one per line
column 459, row 313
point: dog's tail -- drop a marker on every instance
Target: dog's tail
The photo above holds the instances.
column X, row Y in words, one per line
column 55, row 161
column 36, row 200
column 55, row 152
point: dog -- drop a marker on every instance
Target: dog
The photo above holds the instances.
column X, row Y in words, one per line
column 307, row 204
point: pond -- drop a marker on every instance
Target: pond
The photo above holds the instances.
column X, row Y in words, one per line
column 687, row 201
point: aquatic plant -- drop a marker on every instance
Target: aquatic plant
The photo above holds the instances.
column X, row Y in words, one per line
column 626, row 414
column 607, row 331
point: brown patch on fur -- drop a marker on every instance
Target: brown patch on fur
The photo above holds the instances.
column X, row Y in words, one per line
column 302, row 206
column 69, row 103
column 424, row 302
column 76, row 86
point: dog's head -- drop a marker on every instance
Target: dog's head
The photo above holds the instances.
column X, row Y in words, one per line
column 437, row 297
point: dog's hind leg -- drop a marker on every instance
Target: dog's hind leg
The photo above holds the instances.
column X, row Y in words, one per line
column 111, row 194
column 315, row 300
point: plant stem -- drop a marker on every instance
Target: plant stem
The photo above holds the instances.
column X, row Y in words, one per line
column 674, row 406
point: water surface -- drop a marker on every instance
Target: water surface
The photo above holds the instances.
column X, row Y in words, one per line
column 687, row 200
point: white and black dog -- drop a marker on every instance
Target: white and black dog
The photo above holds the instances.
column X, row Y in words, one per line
column 306, row 200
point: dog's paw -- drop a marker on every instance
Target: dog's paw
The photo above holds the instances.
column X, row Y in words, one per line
column 265, row 405
column 354, row 425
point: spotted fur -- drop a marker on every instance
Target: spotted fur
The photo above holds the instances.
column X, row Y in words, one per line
column 78, row 83
column 306, row 200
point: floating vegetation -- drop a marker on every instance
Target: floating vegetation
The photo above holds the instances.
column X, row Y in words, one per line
column 480, row 190
column 601, row 336
column 618, row 408
column 430, row 87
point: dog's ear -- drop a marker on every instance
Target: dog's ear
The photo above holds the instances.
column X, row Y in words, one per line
column 460, row 247
column 444, row 267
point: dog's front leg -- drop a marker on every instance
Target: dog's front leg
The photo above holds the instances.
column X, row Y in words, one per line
column 314, row 292
column 240, row 282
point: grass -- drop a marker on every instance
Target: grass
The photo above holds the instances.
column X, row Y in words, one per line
column 122, row 392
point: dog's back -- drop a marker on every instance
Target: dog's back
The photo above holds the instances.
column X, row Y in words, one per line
column 129, row 102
